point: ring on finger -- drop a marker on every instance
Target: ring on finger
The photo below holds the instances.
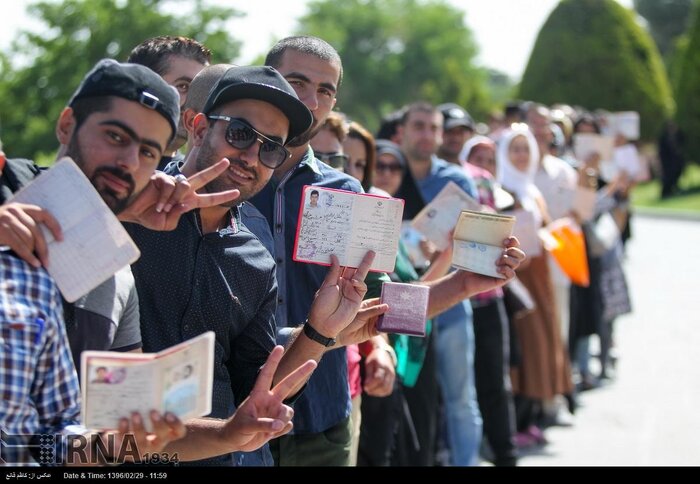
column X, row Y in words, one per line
column 180, row 178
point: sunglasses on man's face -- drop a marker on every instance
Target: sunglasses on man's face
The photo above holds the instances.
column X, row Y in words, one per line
column 241, row 135
column 335, row 160
column 390, row 167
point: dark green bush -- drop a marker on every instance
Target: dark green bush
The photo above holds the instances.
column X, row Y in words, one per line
column 592, row 53
column 688, row 91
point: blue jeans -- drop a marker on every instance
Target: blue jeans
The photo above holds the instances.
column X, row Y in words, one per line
column 455, row 355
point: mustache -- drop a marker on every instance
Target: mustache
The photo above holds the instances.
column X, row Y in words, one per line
column 242, row 167
column 117, row 173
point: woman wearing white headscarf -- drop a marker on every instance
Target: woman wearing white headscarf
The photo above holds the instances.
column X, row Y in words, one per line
column 543, row 371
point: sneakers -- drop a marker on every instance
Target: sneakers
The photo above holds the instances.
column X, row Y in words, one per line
column 531, row 437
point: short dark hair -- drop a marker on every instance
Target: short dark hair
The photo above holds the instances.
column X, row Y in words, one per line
column 314, row 192
column 305, row 44
column 154, row 52
column 418, row 107
column 83, row 108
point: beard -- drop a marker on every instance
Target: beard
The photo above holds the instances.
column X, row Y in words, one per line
column 207, row 157
column 306, row 136
column 113, row 200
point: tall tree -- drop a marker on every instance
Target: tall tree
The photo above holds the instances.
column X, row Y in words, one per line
column 688, row 114
column 77, row 34
column 592, row 53
column 398, row 51
column 667, row 20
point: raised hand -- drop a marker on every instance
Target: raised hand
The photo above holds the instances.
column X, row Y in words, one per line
column 20, row 231
column 510, row 260
column 364, row 325
column 262, row 416
column 165, row 198
column 339, row 297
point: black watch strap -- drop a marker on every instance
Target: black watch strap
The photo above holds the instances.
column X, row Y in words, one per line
column 311, row 333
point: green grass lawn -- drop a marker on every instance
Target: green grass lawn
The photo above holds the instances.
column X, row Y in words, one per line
column 688, row 200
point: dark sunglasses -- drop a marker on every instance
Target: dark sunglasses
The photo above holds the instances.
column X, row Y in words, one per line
column 241, row 135
column 334, row 160
column 390, row 167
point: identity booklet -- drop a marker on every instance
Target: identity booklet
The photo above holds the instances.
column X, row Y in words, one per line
column 95, row 244
column 439, row 217
column 178, row 379
column 347, row 224
column 408, row 308
column 478, row 241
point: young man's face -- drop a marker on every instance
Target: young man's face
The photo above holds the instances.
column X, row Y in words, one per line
column 314, row 200
column 181, row 71
column 315, row 82
column 246, row 173
column 118, row 150
column 421, row 134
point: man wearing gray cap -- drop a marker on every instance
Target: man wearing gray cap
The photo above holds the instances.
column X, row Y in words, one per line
column 225, row 279
column 115, row 127
column 458, row 127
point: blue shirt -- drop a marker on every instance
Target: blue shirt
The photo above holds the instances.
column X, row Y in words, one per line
column 326, row 399
column 441, row 173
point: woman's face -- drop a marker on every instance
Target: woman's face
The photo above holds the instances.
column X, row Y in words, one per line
column 356, row 151
column 484, row 156
column 388, row 173
column 519, row 153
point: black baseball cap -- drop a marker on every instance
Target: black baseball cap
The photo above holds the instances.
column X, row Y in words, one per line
column 455, row 115
column 133, row 82
column 263, row 83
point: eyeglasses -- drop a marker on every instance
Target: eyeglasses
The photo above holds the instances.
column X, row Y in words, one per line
column 334, row 160
column 241, row 135
column 390, row 167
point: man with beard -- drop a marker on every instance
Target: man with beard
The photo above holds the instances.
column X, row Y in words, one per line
column 322, row 414
column 115, row 127
column 225, row 279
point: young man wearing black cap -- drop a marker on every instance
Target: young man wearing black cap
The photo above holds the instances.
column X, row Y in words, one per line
column 115, row 128
column 458, row 127
column 225, row 279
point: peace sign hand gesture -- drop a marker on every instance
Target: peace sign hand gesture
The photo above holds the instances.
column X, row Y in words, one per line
column 165, row 198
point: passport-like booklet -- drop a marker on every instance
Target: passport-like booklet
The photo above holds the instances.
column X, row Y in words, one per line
column 408, row 308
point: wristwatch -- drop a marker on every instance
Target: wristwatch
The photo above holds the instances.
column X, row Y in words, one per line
column 311, row 333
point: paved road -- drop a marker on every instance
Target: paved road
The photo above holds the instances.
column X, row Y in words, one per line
column 650, row 414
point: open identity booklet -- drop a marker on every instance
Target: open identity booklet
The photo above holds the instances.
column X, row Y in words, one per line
column 347, row 224
column 478, row 241
column 439, row 217
column 95, row 245
column 178, row 379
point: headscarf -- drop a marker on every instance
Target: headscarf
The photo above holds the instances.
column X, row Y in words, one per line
column 472, row 143
column 521, row 184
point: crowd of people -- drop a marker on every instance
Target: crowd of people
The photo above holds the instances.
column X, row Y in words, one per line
column 301, row 375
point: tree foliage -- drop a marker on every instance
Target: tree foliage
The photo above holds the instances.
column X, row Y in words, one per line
column 77, row 34
column 667, row 20
column 688, row 114
column 592, row 53
column 398, row 51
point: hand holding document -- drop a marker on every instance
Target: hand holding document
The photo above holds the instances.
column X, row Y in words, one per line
column 408, row 308
column 95, row 245
column 438, row 218
column 478, row 241
column 347, row 224
column 178, row 380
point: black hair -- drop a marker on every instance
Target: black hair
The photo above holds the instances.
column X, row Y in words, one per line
column 314, row 192
column 305, row 44
column 154, row 53
column 83, row 108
